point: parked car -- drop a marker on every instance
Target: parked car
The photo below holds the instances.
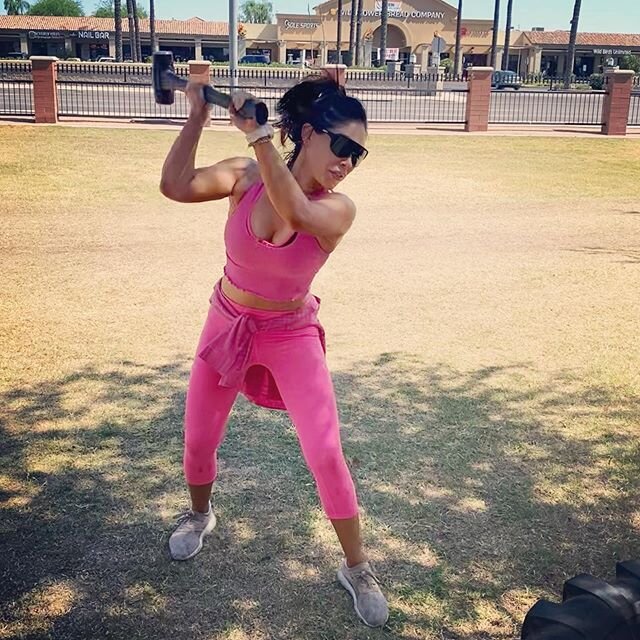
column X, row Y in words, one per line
column 505, row 80
column 255, row 59
column 106, row 59
column 17, row 55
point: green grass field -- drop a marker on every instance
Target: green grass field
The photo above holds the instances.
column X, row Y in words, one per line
column 482, row 320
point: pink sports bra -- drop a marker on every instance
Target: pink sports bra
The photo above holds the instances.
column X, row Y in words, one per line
column 274, row 272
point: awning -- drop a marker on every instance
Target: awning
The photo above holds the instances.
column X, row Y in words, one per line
column 477, row 51
column 466, row 49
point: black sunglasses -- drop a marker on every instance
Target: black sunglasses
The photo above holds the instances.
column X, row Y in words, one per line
column 344, row 147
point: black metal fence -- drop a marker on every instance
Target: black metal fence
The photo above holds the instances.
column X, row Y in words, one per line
column 127, row 71
column 15, row 70
column 16, row 98
column 413, row 105
column 634, row 110
column 124, row 91
column 544, row 107
column 111, row 73
column 115, row 100
column 134, row 100
column 275, row 76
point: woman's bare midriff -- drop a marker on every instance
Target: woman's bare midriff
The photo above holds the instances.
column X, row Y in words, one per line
column 256, row 302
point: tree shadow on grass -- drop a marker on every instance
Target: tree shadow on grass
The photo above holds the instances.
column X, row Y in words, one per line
column 481, row 490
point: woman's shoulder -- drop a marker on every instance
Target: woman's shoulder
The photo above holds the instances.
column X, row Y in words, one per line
column 331, row 195
column 248, row 177
column 340, row 200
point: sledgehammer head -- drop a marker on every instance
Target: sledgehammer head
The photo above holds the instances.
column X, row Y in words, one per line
column 162, row 63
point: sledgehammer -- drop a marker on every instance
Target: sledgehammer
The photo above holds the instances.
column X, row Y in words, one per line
column 166, row 83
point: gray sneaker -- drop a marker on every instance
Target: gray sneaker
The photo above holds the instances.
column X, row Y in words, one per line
column 193, row 526
column 360, row 581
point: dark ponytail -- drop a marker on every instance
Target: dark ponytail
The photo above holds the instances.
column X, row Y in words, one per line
column 319, row 101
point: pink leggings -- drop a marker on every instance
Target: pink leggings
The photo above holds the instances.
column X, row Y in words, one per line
column 297, row 363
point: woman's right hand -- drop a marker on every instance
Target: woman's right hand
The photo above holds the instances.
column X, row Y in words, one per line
column 200, row 109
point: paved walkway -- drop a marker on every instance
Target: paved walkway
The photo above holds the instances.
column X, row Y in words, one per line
column 375, row 128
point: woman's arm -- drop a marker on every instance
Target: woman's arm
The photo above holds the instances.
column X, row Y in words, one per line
column 180, row 180
column 328, row 218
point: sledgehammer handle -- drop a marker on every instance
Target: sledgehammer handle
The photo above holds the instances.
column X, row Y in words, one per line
column 250, row 109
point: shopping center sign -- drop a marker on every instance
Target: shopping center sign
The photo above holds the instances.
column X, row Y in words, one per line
column 300, row 26
column 398, row 10
column 93, row 35
column 611, row 52
column 47, row 35
column 61, row 35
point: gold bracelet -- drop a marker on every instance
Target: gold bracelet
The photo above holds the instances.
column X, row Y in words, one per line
column 260, row 141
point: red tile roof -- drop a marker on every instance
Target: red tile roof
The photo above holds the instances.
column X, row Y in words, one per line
column 591, row 39
column 193, row 26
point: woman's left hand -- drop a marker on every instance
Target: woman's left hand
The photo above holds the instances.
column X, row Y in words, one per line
column 246, row 125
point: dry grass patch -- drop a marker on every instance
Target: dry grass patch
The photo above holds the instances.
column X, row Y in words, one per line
column 482, row 320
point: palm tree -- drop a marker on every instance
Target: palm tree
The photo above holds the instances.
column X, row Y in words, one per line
column 117, row 17
column 456, row 61
column 256, row 11
column 571, row 51
column 496, row 28
column 352, row 33
column 339, row 34
column 152, row 25
column 507, row 36
column 384, row 25
column 358, row 31
column 132, row 34
column 16, row 7
column 136, row 27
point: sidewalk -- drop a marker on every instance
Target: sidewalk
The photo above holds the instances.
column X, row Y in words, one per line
column 376, row 128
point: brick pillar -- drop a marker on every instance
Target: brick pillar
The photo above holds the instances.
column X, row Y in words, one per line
column 478, row 99
column 337, row 72
column 200, row 71
column 44, row 71
column 615, row 111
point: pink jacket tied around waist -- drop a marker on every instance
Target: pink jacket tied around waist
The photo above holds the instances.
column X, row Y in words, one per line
column 229, row 351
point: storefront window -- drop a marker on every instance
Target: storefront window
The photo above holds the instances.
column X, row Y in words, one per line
column 294, row 56
column 215, row 54
column 549, row 65
column 98, row 50
column 584, row 65
column 180, row 53
column 332, row 56
column 9, row 46
column 514, row 61
column 475, row 60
